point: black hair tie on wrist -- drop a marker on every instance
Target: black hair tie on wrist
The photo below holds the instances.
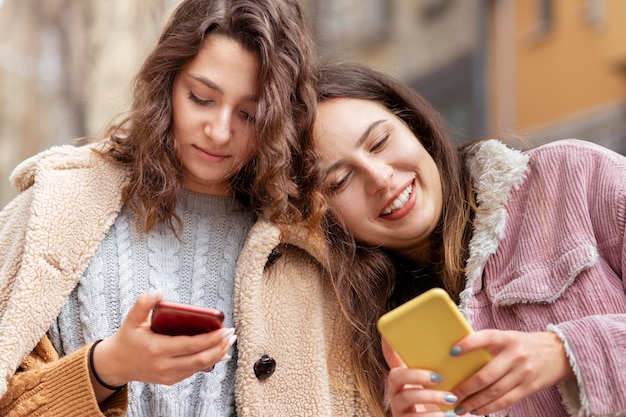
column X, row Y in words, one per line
column 93, row 370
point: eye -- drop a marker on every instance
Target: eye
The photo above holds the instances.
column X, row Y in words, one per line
column 195, row 99
column 248, row 117
column 380, row 142
column 338, row 183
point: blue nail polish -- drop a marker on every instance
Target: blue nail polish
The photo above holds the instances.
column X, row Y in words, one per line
column 449, row 414
column 455, row 351
column 459, row 410
column 449, row 398
column 436, row 378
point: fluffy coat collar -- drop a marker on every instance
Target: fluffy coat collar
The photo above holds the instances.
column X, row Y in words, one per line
column 496, row 169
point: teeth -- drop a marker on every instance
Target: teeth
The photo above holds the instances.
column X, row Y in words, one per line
column 399, row 202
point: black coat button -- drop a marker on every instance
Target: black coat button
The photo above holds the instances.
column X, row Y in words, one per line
column 273, row 257
column 264, row 367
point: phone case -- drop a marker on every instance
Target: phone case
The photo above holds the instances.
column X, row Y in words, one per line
column 177, row 319
column 423, row 330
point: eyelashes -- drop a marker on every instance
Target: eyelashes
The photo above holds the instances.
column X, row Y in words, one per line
column 247, row 117
column 381, row 142
column 377, row 145
column 195, row 99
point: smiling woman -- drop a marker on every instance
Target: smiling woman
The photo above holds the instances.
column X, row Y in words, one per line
column 187, row 200
column 371, row 160
column 524, row 254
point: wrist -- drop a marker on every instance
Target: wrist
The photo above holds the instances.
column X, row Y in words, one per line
column 98, row 371
column 566, row 368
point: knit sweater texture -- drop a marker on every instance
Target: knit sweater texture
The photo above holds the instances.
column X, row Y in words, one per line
column 283, row 306
column 198, row 269
column 547, row 253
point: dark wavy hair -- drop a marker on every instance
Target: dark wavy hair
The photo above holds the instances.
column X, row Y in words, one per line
column 143, row 142
column 363, row 277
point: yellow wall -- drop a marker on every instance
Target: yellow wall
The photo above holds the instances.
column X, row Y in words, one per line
column 573, row 67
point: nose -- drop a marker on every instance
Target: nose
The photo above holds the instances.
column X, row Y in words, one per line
column 378, row 177
column 218, row 128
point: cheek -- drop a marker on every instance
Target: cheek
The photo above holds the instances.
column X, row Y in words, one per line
column 351, row 210
column 180, row 120
column 250, row 145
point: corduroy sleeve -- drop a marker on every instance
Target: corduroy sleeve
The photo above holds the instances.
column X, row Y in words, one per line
column 45, row 385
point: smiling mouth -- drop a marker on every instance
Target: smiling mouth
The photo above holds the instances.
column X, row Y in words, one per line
column 399, row 202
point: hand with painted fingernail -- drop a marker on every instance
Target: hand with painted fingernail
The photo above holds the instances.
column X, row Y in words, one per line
column 136, row 353
column 409, row 390
column 522, row 364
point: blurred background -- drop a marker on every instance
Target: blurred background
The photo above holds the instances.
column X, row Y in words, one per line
column 542, row 69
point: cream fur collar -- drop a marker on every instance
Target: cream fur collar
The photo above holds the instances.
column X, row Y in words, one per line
column 496, row 169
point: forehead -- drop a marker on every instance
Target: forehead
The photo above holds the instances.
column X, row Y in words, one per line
column 225, row 60
column 347, row 118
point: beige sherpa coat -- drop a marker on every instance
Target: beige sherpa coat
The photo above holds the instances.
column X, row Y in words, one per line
column 69, row 197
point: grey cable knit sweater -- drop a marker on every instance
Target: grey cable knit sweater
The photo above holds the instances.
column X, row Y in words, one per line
column 198, row 269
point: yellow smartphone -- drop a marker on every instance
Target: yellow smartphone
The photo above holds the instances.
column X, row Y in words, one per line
column 424, row 330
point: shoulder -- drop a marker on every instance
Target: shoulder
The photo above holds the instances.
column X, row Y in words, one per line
column 79, row 162
column 582, row 163
column 577, row 153
column 265, row 236
column 575, row 146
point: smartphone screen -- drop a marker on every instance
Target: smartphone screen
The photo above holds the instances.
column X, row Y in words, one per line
column 177, row 319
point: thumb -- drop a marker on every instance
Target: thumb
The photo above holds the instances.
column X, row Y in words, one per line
column 392, row 358
column 139, row 312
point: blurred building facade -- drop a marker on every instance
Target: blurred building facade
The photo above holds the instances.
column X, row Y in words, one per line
column 436, row 46
column 540, row 69
column 557, row 68
column 544, row 69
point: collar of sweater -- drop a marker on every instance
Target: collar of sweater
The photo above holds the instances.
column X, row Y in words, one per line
column 496, row 169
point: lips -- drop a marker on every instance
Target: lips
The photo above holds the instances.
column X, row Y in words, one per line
column 399, row 202
column 209, row 156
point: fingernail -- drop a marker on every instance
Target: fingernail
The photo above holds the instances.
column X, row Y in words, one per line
column 153, row 294
column 209, row 369
column 459, row 410
column 455, row 351
column 228, row 333
column 231, row 340
column 449, row 398
column 226, row 357
column 436, row 378
column 449, row 414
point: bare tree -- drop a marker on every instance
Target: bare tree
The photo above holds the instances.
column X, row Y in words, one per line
column 60, row 62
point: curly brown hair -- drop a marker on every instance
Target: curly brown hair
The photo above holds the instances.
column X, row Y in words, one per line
column 143, row 142
column 364, row 276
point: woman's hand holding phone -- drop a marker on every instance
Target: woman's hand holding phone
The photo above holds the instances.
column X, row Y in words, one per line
column 422, row 333
column 408, row 389
column 136, row 353
column 521, row 365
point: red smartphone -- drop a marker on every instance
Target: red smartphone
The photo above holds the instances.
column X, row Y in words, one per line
column 177, row 319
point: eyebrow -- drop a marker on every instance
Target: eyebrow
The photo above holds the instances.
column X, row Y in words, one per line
column 359, row 143
column 207, row 82
column 367, row 132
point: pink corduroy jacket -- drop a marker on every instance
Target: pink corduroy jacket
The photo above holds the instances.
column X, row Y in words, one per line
column 548, row 254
